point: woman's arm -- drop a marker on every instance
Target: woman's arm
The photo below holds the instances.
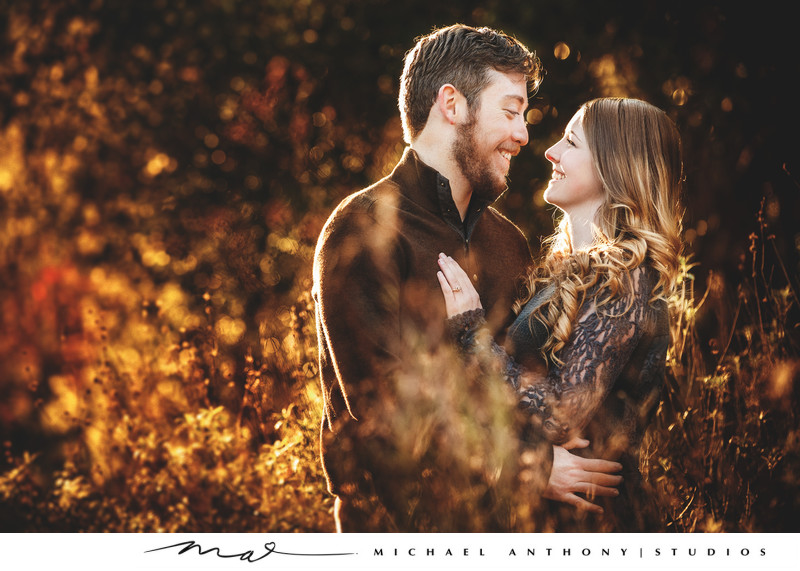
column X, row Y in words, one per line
column 599, row 348
column 569, row 474
column 562, row 401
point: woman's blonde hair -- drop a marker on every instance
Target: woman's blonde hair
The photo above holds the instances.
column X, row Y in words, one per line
column 636, row 151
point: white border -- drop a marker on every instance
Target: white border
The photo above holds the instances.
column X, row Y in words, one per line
column 401, row 551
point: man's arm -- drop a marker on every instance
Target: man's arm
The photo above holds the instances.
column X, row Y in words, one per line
column 357, row 288
column 573, row 474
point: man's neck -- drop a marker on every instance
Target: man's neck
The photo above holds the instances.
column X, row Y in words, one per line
column 437, row 155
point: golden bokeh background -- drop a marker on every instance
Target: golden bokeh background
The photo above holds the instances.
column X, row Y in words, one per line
column 166, row 167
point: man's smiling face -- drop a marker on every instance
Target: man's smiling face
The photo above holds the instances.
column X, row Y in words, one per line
column 494, row 133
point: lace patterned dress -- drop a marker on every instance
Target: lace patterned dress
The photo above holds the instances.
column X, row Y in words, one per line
column 605, row 389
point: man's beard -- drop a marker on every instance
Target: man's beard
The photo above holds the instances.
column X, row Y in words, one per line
column 476, row 168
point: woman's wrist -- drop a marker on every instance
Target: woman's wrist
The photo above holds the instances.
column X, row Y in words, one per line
column 464, row 326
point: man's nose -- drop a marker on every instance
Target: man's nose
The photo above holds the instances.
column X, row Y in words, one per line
column 521, row 132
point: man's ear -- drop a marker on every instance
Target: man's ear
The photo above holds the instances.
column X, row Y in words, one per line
column 451, row 103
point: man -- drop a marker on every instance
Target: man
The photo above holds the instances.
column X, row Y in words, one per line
column 380, row 318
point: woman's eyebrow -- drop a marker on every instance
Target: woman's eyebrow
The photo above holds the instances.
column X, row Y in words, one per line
column 572, row 134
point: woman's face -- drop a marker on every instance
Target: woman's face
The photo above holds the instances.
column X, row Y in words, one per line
column 574, row 186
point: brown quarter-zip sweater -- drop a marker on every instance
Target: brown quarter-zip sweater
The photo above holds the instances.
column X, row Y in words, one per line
column 381, row 314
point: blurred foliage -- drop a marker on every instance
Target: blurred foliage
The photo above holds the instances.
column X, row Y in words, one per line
column 166, row 167
column 724, row 452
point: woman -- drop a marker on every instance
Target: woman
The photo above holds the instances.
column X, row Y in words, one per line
column 595, row 322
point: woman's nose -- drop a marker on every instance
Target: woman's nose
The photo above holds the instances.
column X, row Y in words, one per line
column 550, row 154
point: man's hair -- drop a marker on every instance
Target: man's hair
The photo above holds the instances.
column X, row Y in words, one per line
column 463, row 57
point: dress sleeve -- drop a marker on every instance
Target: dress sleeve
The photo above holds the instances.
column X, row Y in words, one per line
column 562, row 400
column 471, row 336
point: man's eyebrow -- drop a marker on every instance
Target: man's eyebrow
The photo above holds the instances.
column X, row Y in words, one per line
column 518, row 98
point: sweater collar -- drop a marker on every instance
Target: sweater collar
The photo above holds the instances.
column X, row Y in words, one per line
column 431, row 190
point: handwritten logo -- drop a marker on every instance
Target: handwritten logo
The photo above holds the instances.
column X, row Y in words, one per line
column 248, row 556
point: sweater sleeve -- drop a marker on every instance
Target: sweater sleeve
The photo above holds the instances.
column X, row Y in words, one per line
column 357, row 274
column 563, row 400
